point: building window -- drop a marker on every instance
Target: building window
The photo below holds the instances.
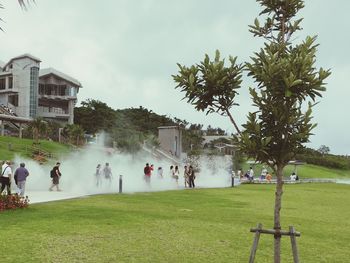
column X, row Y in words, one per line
column 34, row 82
column 13, row 99
column 2, row 84
column 10, row 82
column 72, row 91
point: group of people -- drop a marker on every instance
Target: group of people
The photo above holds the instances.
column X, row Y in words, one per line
column 174, row 173
column 103, row 173
column 265, row 175
column 20, row 176
column 249, row 175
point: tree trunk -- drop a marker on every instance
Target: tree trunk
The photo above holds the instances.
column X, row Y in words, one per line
column 233, row 121
column 277, row 216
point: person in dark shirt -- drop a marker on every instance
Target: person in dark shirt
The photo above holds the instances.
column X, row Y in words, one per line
column 20, row 176
column 55, row 175
column 147, row 173
column 191, row 177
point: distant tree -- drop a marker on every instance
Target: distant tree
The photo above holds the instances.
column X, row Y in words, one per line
column 94, row 116
column 286, row 78
column 191, row 140
column 214, row 131
column 323, row 149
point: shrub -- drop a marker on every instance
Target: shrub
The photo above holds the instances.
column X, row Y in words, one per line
column 8, row 202
column 328, row 160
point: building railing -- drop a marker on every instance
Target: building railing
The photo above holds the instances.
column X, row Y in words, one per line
column 51, row 96
column 55, row 110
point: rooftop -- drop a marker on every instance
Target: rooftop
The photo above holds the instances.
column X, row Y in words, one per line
column 48, row 71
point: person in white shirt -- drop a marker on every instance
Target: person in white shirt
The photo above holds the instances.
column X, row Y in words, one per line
column 239, row 173
column 293, row 177
column 5, row 178
column 160, row 172
column 263, row 173
column 251, row 174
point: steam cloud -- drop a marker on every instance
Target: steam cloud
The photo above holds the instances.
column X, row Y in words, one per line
column 78, row 174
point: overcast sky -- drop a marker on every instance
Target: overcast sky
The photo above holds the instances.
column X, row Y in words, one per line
column 124, row 52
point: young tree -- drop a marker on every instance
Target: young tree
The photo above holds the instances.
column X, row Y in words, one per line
column 211, row 86
column 286, row 78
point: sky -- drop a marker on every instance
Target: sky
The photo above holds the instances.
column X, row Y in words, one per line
column 124, row 52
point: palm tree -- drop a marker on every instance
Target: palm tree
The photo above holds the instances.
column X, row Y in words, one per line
column 38, row 127
column 77, row 133
column 74, row 132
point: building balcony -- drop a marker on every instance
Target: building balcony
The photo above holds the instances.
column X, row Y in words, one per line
column 52, row 112
column 56, row 97
column 8, row 91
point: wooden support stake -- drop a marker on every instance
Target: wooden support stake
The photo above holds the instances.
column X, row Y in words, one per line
column 255, row 243
column 294, row 244
column 272, row 232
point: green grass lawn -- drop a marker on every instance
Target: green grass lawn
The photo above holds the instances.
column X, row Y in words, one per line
column 22, row 147
column 206, row 225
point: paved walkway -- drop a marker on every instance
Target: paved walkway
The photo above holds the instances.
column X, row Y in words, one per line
column 47, row 196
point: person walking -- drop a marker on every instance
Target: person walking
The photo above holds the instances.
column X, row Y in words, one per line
column 251, row 174
column 55, row 174
column 160, row 172
column 263, row 173
column 107, row 172
column 191, row 177
column 176, row 174
column 5, row 178
column 98, row 175
column 147, row 173
column 172, row 172
column 151, row 168
column 186, row 176
column 20, row 176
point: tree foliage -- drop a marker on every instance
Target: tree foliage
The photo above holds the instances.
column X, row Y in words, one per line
column 38, row 127
column 94, row 116
column 210, row 85
column 286, row 77
column 75, row 133
column 323, row 149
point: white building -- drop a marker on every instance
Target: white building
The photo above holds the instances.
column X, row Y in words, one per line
column 170, row 139
column 30, row 92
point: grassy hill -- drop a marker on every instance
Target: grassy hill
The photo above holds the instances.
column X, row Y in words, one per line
column 306, row 171
column 10, row 146
column 202, row 225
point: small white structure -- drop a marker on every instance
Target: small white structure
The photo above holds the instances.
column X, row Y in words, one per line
column 170, row 138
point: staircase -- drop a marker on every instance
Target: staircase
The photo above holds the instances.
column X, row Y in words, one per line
column 9, row 112
column 160, row 154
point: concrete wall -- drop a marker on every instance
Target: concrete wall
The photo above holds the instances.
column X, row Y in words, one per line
column 170, row 139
